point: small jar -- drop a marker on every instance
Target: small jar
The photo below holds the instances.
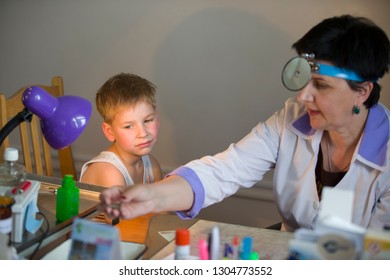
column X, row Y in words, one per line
column 6, row 203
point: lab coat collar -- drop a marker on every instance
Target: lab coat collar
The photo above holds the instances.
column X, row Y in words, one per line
column 373, row 145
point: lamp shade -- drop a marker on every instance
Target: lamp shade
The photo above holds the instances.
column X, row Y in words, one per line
column 63, row 118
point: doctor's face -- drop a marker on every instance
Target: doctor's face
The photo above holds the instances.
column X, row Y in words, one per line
column 329, row 102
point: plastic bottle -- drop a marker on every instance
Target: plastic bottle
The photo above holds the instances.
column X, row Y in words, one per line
column 68, row 199
column 12, row 174
column 182, row 249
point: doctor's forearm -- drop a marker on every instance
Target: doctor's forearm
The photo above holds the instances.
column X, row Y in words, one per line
column 173, row 194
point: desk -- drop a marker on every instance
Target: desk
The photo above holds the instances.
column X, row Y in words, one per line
column 270, row 244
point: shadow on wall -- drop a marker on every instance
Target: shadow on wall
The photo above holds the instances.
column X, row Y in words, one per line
column 223, row 74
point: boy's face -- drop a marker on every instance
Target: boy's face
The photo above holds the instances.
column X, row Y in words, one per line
column 134, row 128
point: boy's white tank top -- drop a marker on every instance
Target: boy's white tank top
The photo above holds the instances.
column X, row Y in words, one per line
column 112, row 158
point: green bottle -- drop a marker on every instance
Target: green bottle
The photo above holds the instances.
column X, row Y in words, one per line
column 68, row 199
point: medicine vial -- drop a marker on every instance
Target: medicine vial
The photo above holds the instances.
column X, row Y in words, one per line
column 6, row 203
column 182, row 249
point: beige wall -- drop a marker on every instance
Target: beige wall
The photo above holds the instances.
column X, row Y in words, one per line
column 216, row 63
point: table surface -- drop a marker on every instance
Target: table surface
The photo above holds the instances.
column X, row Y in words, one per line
column 269, row 244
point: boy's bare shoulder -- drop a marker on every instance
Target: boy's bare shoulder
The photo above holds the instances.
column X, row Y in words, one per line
column 103, row 174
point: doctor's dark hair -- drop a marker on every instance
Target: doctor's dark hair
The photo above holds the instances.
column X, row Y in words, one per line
column 123, row 89
column 354, row 43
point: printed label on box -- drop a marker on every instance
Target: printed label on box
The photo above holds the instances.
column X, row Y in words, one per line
column 94, row 241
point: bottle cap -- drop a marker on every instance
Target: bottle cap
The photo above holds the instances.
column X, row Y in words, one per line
column 11, row 154
column 254, row 255
column 68, row 181
column 182, row 237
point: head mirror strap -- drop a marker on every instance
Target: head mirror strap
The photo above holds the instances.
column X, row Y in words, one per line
column 333, row 71
column 330, row 70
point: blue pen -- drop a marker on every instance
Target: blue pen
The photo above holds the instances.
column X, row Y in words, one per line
column 246, row 248
column 227, row 251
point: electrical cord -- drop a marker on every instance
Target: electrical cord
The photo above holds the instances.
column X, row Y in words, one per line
column 44, row 235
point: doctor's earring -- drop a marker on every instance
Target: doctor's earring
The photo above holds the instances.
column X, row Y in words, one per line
column 356, row 110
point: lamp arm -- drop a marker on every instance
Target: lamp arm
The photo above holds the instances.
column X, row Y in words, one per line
column 23, row 116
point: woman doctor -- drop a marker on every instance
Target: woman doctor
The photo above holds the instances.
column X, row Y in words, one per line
column 332, row 133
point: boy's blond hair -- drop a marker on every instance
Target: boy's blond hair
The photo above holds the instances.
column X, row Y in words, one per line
column 123, row 90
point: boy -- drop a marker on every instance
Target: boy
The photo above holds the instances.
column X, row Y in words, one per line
column 127, row 105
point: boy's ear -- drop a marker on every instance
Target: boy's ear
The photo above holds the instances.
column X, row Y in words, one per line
column 107, row 130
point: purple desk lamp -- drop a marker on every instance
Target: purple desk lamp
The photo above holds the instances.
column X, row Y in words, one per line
column 63, row 119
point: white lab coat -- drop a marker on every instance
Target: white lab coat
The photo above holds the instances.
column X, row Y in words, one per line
column 287, row 143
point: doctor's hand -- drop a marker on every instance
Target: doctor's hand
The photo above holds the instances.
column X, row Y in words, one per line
column 170, row 194
column 127, row 202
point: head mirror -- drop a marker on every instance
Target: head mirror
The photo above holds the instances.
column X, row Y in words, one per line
column 296, row 73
